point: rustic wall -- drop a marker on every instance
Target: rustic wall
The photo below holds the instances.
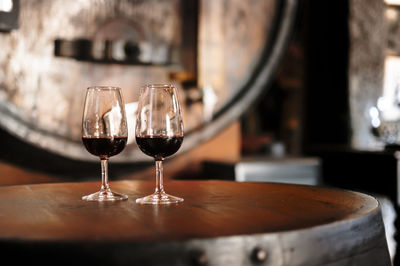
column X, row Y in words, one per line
column 368, row 44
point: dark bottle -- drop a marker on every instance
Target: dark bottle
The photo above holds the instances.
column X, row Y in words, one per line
column 104, row 147
column 159, row 147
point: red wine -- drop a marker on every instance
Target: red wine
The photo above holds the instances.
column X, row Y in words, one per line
column 159, row 146
column 104, row 147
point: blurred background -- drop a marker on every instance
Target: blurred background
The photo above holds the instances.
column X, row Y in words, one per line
column 304, row 92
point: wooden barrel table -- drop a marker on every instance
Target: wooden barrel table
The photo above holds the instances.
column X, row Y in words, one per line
column 219, row 223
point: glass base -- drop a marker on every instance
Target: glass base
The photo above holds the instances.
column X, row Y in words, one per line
column 159, row 198
column 105, row 196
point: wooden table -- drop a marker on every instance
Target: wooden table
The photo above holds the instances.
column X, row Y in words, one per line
column 219, row 223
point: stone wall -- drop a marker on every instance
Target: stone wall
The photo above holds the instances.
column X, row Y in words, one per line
column 368, row 45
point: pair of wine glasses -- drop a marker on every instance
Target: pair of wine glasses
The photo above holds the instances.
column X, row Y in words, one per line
column 159, row 133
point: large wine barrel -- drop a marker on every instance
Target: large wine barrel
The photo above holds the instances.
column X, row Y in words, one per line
column 219, row 223
column 221, row 55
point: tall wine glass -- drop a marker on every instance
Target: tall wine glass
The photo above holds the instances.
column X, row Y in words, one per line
column 104, row 133
column 159, row 133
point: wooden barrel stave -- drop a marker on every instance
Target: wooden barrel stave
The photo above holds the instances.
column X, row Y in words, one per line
column 200, row 231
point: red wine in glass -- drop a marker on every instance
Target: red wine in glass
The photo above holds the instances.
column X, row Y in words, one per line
column 104, row 133
column 159, row 146
column 104, row 147
column 159, row 133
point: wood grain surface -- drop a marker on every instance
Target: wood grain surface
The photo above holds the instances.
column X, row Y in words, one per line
column 211, row 209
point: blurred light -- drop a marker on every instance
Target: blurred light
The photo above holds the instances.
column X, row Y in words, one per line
column 6, row 5
column 389, row 107
column 373, row 112
column 209, row 101
column 391, row 14
column 376, row 122
column 381, row 103
column 130, row 109
column 393, row 2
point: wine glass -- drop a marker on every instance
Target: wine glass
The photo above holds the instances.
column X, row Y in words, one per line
column 159, row 133
column 104, row 133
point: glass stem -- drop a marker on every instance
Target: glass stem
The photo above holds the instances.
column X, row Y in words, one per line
column 104, row 175
column 159, row 177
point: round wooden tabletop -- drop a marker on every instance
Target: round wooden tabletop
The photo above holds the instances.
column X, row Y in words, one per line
column 55, row 213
